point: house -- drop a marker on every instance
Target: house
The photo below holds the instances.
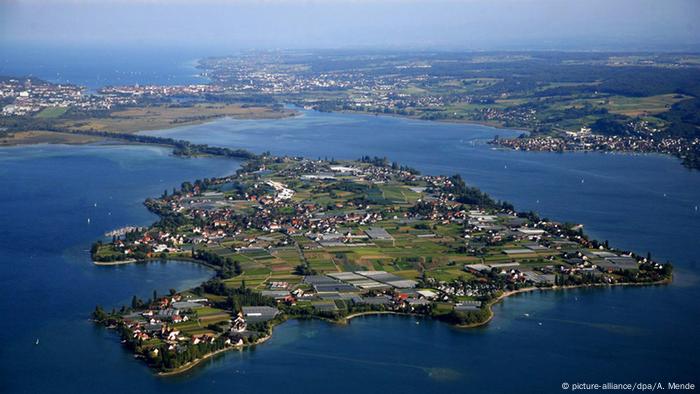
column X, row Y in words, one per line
column 239, row 324
column 172, row 335
column 179, row 319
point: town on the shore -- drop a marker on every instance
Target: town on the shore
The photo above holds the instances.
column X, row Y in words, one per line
column 611, row 102
column 584, row 140
column 291, row 237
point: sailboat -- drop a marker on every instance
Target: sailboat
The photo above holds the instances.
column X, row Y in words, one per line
column 37, row 341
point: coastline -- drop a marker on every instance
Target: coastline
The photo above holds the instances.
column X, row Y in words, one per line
column 494, row 125
column 35, row 137
column 111, row 263
column 568, row 287
column 189, row 365
column 346, row 319
column 27, row 138
column 154, row 259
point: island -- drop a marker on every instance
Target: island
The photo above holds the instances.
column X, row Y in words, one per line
column 297, row 238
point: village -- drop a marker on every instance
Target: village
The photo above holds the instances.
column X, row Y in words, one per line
column 298, row 238
column 44, row 100
column 585, row 141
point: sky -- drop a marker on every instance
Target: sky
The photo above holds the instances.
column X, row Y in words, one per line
column 395, row 24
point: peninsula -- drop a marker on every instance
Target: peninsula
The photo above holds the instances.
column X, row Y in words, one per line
column 290, row 237
column 565, row 101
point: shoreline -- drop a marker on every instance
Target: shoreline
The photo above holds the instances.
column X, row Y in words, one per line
column 67, row 138
column 155, row 259
column 558, row 288
column 188, row 366
column 346, row 319
column 349, row 317
column 114, row 263
column 37, row 137
column 445, row 120
column 295, row 112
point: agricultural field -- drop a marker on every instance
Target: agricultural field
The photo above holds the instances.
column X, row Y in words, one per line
column 643, row 106
column 51, row 112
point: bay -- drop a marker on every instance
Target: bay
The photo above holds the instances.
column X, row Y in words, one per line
column 536, row 341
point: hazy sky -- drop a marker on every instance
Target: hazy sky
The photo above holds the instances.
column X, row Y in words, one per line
column 444, row 24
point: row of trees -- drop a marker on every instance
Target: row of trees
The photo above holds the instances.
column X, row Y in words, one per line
column 466, row 317
column 472, row 195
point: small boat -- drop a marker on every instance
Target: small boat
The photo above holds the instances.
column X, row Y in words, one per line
column 526, row 315
column 88, row 220
column 37, row 341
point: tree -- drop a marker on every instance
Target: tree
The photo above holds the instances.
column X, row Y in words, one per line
column 99, row 314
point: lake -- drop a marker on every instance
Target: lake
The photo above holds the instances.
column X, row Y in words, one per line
column 535, row 342
column 100, row 65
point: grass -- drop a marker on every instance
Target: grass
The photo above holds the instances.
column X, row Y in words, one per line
column 162, row 117
column 643, row 106
column 442, row 308
column 448, row 274
column 51, row 112
column 45, row 137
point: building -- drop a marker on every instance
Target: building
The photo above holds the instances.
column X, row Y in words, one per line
column 257, row 314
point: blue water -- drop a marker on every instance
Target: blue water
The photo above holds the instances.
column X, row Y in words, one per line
column 48, row 285
column 638, row 202
column 99, row 66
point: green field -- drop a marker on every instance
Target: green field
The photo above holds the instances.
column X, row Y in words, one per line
column 51, row 112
